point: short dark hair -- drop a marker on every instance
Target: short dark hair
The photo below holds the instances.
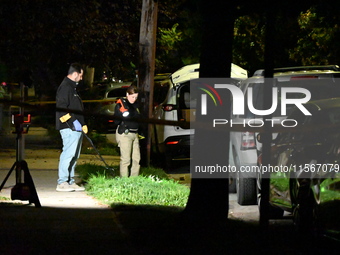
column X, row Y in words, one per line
column 75, row 67
column 132, row 90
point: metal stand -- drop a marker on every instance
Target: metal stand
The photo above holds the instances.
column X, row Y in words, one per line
column 22, row 190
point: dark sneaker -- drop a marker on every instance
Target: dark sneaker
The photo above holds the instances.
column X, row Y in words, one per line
column 76, row 187
column 65, row 186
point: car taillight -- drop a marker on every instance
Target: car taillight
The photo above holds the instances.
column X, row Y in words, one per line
column 168, row 107
column 248, row 141
column 172, row 142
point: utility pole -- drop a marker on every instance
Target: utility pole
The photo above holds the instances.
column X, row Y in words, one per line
column 146, row 70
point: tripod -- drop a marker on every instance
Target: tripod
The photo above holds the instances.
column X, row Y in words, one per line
column 22, row 190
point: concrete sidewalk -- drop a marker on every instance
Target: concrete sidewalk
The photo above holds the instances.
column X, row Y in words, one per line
column 45, row 184
column 66, row 223
column 42, row 165
column 74, row 222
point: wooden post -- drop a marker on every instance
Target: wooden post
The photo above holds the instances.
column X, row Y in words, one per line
column 147, row 52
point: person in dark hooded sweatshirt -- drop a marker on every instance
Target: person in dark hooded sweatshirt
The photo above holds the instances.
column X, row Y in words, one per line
column 127, row 132
column 71, row 125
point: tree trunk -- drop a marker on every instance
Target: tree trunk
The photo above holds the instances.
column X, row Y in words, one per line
column 209, row 198
column 267, row 135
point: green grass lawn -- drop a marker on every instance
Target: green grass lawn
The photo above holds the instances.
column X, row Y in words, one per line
column 151, row 187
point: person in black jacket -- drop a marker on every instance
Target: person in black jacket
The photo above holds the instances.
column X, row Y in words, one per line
column 71, row 125
column 127, row 132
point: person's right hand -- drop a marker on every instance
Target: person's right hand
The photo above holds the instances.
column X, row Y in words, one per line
column 77, row 125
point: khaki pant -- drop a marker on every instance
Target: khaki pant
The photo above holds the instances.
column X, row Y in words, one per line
column 129, row 151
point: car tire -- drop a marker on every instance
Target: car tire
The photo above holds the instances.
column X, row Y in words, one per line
column 304, row 212
column 245, row 187
column 273, row 212
column 246, row 191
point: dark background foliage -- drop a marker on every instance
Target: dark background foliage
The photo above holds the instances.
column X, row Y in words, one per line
column 39, row 39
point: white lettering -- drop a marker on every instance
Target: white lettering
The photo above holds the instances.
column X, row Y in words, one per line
column 290, row 120
column 238, row 100
column 219, row 122
column 262, row 112
column 257, row 123
column 297, row 101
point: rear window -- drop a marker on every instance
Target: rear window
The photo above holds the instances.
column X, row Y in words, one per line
column 161, row 89
column 319, row 89
column 186, row 103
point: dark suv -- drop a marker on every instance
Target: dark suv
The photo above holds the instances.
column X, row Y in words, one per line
column 319, row 80
column 307, row 180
